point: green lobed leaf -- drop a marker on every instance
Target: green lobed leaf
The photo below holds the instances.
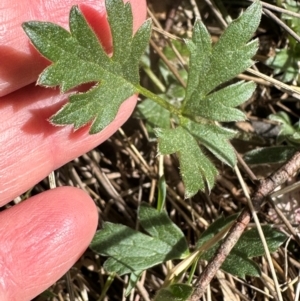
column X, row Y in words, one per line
column 195, row 168
column 131, row 251
column 78, row 57
column 238, row 262
column 207, row 100
column 212, row 66
column 251, row 245
column 175, row 292
column 239, row 265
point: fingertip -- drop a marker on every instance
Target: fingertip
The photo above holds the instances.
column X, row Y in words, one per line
column 42, row 238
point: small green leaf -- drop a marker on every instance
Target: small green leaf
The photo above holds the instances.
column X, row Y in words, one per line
column 288, row 132
column 269, row 155
column 293, row 22
column 239, row 265
column 175, row 292
column 131, row 251
column 195, row 168
column 238, row 262
column 283, row 118
column 78, row 57
column 248, row 246
column 285, row 64
column 180, row 47
column 250, row 243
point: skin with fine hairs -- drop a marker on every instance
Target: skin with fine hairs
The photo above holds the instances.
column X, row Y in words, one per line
column 42, row 237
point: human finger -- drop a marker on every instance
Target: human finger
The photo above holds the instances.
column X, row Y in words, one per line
column 41, row 239
column 31, row 147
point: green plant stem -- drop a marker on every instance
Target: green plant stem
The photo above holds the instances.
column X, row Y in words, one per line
column 192, row 271
column 161, row 199
column 159, row 100
column 154, row 78
column 107, row 285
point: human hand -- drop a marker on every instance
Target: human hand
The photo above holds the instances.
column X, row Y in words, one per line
column 41, row 238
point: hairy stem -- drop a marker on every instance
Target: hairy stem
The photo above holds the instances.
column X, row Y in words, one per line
column 159, row 100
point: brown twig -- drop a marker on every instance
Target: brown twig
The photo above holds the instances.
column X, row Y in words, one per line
column 264, row 188
column 171, row 15
column 277, row 178
column 215, row 263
